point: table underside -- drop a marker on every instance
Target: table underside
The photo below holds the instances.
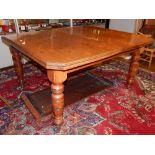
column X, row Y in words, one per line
column 76, row 88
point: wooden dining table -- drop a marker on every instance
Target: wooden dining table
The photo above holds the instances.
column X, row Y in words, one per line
column 65, row 50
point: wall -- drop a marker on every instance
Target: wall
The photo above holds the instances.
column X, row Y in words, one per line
column 5, row 56
column 53, row 20
column 126, row 25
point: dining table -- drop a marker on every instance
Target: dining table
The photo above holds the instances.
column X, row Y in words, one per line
column 65, row 50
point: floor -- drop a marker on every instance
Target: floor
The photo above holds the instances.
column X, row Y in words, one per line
column 115, row 110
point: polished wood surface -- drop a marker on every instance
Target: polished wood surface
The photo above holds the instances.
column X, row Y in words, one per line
column 133, row 66
column 67, row 48
column 16, row 56
column 57, row 78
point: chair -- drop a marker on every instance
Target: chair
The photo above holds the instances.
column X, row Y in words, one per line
column 147, row 54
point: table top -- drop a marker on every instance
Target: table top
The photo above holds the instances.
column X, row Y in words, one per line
column 67, row 48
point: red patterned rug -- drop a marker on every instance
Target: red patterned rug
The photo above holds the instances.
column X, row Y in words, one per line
column 115, row 110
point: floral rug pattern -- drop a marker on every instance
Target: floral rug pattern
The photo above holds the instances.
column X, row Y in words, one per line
column 115, row 110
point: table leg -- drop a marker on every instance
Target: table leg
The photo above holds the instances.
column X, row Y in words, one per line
column 133, row 67
column 17, row 64
column 57, row 78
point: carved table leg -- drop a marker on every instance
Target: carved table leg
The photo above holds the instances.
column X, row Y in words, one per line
column 133, row 67
column 57, row 78
column 17, row 64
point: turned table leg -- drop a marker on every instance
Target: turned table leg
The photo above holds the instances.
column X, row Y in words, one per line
column 17, row 64
column 134, row 64
column 57, row 78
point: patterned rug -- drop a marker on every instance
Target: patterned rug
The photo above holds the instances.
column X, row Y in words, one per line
column 115, row 110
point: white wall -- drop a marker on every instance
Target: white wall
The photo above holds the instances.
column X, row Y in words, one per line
column 5, row 56
column 53, row 20
column 126, row 25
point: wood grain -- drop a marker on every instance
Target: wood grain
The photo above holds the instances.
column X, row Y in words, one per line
column 57, row 78
column 67, row 48
column 133, row 66
column 16, row 56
